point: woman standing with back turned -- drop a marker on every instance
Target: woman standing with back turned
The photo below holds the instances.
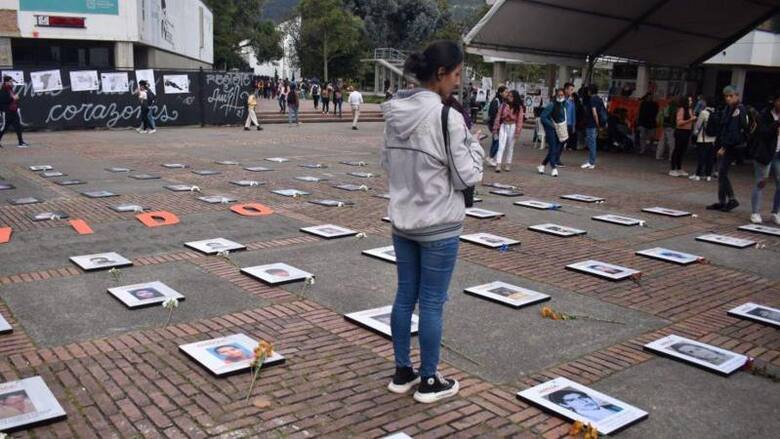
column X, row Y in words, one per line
column 427, row 173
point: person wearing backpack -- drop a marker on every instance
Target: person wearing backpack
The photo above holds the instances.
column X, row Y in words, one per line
column 766, row 159
column 151, row 102
column 734, row 124
column 292, row 102
column 495, row 104
column 705, row 141
column 9, row 104
column 144, row 104
column 431, row 158
column 315, row 95
column 595, row 118
column 554, row 120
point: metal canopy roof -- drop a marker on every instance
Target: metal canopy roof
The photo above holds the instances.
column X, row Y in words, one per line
column 662, row 32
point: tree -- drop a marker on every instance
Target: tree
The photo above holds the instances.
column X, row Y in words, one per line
column 401, row 24
column 239, row 24
column 330, row 36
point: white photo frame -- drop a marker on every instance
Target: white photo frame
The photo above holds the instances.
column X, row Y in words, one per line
column 5, row 327
column 84, row 80
column 378, row 320
column 664, row 254
column 176, row 84
column 477, row 212
column 46, row 81
column 705, row 356
column 618, row 219
column 313, row 165
column 52, row 173
column 488, row 240
column 217, row 199
column 557, row 230
column 125, row 208
column 227, row 355
column 227, row 162
column 500, row 186
column 247, row 183
column 257, row 169
column 144, row 294
column 145, row 177
column 311, row 179
column 583, row 198
column 179, row 187
column 174, row 165
column 101, row 261
column 329, row 231
column 73, row 182
column 507, row 193
column 362, row 174
column 99, row 194
column 539, row 205
column 383, row 253
column 39, row 168
column 23, row 201
column 215, row 245
column 353, row 163
column 33, row 404
column 117, row 169
column 350, row 187
column 507, row 294
column 6, row 186
column 758, row 313
column 573, row 401
column 291, row 193
column 276, row 274
column 116, row 82
column 49, row 216
column 728, row 241
column 205, row 172
column 603, row 270
column 332, row 203
column 277, row 159
column 759, row 228
column 666, row 212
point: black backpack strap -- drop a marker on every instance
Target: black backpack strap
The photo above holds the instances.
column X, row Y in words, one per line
column 445, row 114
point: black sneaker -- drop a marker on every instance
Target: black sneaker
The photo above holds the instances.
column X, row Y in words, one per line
column 259, row 128
column 435, row 388
column 716, row 206
column 246, row 128
column 731, row 205
column 404, row 379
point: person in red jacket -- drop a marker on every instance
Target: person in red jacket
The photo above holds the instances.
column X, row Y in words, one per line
column 9, row 104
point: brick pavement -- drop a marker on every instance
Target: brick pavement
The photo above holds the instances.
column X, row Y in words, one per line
column 139, row 385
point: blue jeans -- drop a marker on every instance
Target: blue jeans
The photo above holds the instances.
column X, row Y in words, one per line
column 150, row 119
column 554, row 151
column 494, row 147
column 762, row 172
column 590, row 142
column 424, row 272
column 292, row 114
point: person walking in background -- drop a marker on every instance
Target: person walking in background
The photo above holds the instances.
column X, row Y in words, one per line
column 766, row 159
column 734, row 126
column 430, row 158
column 144, row 104
column 251, row 113
column 495, row 105
column 355, row 101
column 293, row 103
column 682, row 135
column 508, row 124
column 705, row 144
column 284, row 90
column 9, row 104
column 667, row 136
column 554, row 114
column 151, row 103
column 595, row 118
column 646, row 121
column 326, row 91
column 315, row 95
column 571, row 116
column 338, row 100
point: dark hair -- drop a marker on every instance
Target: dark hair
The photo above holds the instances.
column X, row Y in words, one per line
column 683, row 103
column 567, row 85
column 593, row 89
column 517, row 103
column 440, row 54
column 457, row 106
column 775, row 95
column 500, row 90
column 7, row 78
column 557, row 396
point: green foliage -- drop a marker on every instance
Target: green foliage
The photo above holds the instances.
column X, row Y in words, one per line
column 238, row 24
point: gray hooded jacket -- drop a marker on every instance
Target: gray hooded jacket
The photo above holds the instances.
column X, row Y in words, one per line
column 426, row 202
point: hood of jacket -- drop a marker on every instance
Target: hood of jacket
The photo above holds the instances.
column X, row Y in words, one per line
column 408, row 109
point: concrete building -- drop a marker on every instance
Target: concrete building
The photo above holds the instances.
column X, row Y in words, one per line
column 284, row 67
column 176, row 34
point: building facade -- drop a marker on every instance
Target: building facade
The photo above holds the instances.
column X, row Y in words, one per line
column 172, row 34
column 286, row 66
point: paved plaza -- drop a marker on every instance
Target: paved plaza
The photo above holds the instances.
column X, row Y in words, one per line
column 118, row 372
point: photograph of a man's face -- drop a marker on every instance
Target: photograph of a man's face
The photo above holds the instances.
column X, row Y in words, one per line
column 583, row 404
column 700, row 353
column 15, row 403
column 278, row 272
column 605, row 269
column 766, row 314
column 384, row 318
column 146, row 293
column 231, row 353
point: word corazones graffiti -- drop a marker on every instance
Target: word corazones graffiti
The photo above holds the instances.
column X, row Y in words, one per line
column 113, row 113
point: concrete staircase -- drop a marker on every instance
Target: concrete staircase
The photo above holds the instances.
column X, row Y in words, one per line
column 311, row 116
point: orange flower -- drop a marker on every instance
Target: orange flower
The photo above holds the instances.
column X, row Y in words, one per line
column 576, row 428
column 266, row 347
column 592, row 433
column 547, row 312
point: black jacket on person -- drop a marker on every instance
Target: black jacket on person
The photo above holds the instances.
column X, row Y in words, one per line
column 734, row 124
column 493, row 111
column 648, row 111
column 765, row 144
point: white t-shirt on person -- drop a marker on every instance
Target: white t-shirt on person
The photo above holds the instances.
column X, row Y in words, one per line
column 355, row 98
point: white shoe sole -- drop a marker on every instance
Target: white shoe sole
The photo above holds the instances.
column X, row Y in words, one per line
column 427, row 398
column 401, row 389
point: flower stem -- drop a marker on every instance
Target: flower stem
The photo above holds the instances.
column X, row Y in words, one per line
column 255, row 375
column 170, row 314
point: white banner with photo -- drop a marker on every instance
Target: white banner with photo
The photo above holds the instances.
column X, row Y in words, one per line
column 84, row 80
column 115, row 82
column 17, row 75
column 146, row 75
column 176, row 84
column 46, row 81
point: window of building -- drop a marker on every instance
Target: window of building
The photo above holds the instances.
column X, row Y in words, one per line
column 62, row 53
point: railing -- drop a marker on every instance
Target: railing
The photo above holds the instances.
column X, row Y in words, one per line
column 391, row 55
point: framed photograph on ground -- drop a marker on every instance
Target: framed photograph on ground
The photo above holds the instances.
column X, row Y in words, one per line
column 384, row 195
column 291, row 193
column 759, row 313
column 124, row 208
column 507, row 294
column 117, row 170
column 277, row 159
column 205, row 172
column 70, row 182
column 179, row 187
column 617, row 219
column 276, row 274
column 101, row 261
column 582, row 198
column 313, row 166
column 482, row 213
column 664, row 254
column 383, row 253
column 49, row 216
column 311, row 179
column 217, row 199
column 99, row 194
column 580, row 403
column 257, row 169
column 507, row 193
column 603, row 269
column 398, row 436
column 215, row 245
column 488, row 240
column 227, row 162
column 332, row 203
column 728, row 241
column 26, row 403
column 145, row 177
column 699, row 354
column 329, row 231
column 6, row 186
column 5, row 327
column 386, row 219
column 378, row 320
column 50, row 174
column 144, row 294
column 555, row 229
column 500, row 186
column 247, row 183
column 362, row 174
column 540, row 205
column 226, row 355
column 351, row 187
column 353, row 163
column 758, row 228
column 24, row 200
column 38, row 168
column 666, row 212
column 174, row 165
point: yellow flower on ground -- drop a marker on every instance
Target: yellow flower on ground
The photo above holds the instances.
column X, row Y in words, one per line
column 547, row 312
column 576, row 428
column 266, row 347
